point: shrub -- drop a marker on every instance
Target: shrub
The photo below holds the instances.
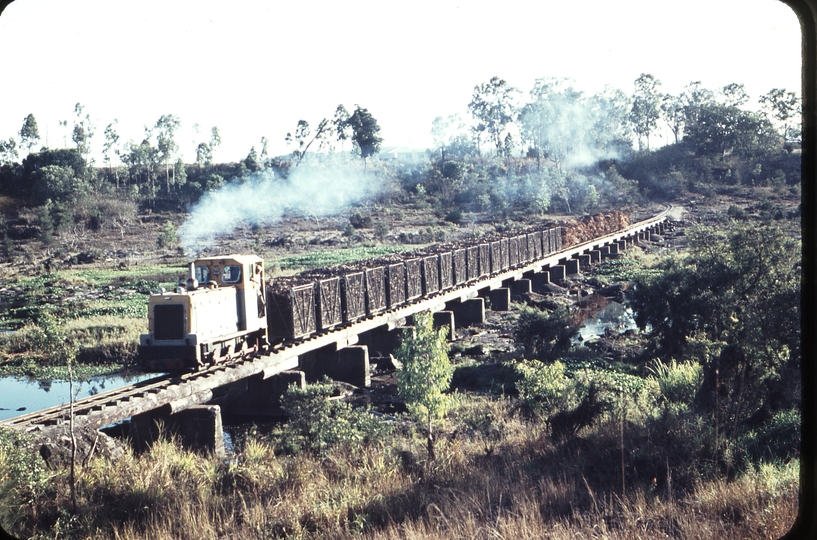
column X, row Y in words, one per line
column 167, row 237
column 543, row 388
column 426, row 373
column 318, row 423
column 545, row 335
column 359, row 221
column 678, row 382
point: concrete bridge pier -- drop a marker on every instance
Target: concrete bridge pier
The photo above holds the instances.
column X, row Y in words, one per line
column 445, row 319
column 263, row 395
column 500, row 299
column 604, row 252
column 595, row 256
column 540, row 281
column 572, row 267
column 520, row 287
column 557, row 273
column 349, row 364
column 198, row 428
column 467, row 312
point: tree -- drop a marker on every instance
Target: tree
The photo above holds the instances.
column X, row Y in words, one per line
column 340, row 124
column 204, row 155
column 264, row 150
column 83, row 131
column 782, row 106
column 8, row 151
column 734, row 95
column 646, row 108
column 672, row 111
column 493, row 108
column 166, row 128
column 302, row 133
column 29, row 133
column 111, row 140
column 365, row 133
column 723, row 129
column 215, row 141
column 694, row 98
column 732, row 304
column 426, row 373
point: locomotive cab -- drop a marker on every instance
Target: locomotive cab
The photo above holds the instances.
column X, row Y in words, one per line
column 217, row 315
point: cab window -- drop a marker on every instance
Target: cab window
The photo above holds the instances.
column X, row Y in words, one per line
column 231, row 274
column 203, row 274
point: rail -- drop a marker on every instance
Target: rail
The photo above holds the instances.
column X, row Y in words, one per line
column 176, row 392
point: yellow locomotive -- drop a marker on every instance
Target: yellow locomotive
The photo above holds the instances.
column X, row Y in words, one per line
column 219, row 314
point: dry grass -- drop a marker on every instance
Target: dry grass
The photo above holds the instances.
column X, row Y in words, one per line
column 509, row 481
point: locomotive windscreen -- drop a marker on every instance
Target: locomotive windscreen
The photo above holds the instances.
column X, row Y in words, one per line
column 168, row 321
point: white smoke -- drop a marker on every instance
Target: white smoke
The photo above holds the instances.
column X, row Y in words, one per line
column 262, row 199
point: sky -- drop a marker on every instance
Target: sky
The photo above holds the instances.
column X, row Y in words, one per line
column 254, row 68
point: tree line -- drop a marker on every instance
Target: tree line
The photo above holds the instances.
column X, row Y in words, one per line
column 559, row 149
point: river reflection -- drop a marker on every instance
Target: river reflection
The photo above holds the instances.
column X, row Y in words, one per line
column 22, row 395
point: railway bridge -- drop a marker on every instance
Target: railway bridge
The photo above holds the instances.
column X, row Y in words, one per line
column 191, row 404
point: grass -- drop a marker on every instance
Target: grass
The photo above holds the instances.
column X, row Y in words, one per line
column 503, row 478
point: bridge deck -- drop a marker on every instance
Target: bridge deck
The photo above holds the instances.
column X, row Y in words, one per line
column 177, row 392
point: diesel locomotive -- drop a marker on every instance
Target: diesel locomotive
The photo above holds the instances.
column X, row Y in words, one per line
column 218, row 314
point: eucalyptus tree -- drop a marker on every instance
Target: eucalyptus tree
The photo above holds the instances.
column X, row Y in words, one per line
column 29, row 133
column 493, row 107
column 340, row 125
column 782, row 106
column 166, row 143
column 694, row 98
column 264, row 149
column 83, row 131
column 301, row 137
column 672, row 111
column 109, row 149
column 215, row 141
column 8, row 151
column 204, row 155
column 646, row 108
column 734, row 95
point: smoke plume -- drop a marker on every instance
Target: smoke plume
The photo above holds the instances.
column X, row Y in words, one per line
column 262, row 199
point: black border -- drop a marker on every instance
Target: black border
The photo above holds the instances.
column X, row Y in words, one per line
column 805, row 525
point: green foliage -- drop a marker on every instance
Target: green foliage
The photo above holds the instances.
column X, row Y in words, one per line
column 545, row 335
column 732, row 305
column 679, row 383
column 167, row 237
column 543, row 388
column 426, row 372
column 317, row 423
column 23, row 477
column 359, row 221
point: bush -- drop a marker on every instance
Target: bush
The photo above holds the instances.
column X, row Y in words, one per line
column 544, row 335
column 543, row 389
column 736, row 212
column 679, row 383
column 318, row 423
column 167, row 237
column 359, row 221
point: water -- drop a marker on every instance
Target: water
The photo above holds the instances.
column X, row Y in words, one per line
column 20, row 395
column 617, row 317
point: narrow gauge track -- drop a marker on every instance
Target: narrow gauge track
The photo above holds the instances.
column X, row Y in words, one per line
column 177, row 392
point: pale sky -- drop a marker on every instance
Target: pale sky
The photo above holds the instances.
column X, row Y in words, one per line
column 254, row 68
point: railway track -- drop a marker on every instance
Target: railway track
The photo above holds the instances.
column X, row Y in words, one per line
column 177, row 392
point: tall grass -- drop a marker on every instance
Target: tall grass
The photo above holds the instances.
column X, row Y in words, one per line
column 496, row 475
